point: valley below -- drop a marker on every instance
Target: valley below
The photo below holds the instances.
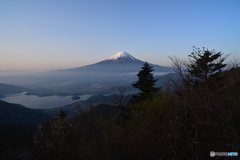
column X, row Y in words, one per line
column 50, row 92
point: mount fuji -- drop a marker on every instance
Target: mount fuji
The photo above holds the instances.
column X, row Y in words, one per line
column 120, row 62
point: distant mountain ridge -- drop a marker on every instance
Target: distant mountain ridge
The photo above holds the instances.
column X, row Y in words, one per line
column 120, row 62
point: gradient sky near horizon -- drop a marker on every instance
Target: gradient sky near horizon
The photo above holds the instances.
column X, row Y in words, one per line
column 58, row 34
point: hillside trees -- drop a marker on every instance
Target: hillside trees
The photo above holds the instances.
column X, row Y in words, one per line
column 203, row 67
column 145, row 83
column 51, row 140
column 121, row 95
column 208, row 105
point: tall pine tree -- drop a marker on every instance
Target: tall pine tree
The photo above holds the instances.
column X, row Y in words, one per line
column 205, row 66
column 145, row 83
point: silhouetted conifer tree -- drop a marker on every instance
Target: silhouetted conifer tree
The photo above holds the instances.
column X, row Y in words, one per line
column 205, row 66
column 145, row 83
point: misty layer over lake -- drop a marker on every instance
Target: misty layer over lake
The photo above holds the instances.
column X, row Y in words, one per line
column 50, row 77
column 36, row 102
column 83, row 78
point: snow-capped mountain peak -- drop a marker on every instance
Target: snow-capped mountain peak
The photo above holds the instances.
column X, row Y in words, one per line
column 121, row 55
column 120, row 62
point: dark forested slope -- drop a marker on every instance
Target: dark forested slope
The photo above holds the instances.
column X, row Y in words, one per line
column 17, row 114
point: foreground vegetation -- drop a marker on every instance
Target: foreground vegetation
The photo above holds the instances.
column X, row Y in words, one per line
column 193, row 115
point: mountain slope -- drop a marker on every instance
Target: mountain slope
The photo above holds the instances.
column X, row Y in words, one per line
column 17, row 114
column 9, row 89
column 120, row 62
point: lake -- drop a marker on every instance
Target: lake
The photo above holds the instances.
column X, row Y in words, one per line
column 35, row 102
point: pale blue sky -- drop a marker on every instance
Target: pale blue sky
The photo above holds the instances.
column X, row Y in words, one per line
column 57, row 34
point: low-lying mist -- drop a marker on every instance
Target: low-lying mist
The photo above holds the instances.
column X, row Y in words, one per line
column 65, row 83
column 26, row 78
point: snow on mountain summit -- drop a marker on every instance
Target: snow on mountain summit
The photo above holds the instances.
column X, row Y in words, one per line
column 121, row 55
